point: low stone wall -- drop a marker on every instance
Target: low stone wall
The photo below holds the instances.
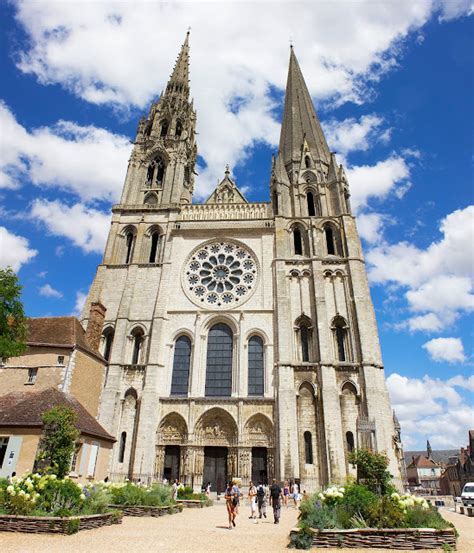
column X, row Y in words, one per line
column 56, row 525
column 147, row 510
column 194, row 503
column 398, row 538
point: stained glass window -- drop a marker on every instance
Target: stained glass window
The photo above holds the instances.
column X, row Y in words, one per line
column 219, row 361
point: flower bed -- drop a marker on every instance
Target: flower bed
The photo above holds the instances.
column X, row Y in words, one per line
column 355, row 516
column 57, row 525
column 389, row 538
column 147, row 510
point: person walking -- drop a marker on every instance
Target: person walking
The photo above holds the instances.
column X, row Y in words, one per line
column 253, row 501
column 261, row 500
column 237, row 494
column 276, row 496
column 296, row 494
column 208, row 489
column 231, row 500
column 286, row 493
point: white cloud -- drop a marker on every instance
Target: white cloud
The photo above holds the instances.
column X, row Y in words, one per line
column 378, row 181
column 49, row 292
column 80, row 301
column 370, row 227
column 462, row 382
column 341, row 58
column 452, row 9
column 15, row 250
column 438, row 279
column 445, row 349
column 431, row 408
column 87, row 228
column 351, row 135
column 87, row 161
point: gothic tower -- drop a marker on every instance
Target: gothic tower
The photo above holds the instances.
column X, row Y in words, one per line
column 240, row 336
column 327, row 347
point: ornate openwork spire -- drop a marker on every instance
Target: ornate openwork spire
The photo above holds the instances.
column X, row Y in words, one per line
column 300, row 121
column 179, row 80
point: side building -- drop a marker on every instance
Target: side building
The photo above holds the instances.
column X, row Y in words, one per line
column 241, row 336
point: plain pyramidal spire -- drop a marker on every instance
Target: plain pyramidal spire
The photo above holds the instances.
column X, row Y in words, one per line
column 300, row 121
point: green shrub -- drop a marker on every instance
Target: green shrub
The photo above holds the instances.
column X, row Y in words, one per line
column 128, row 494
column 302, row 539
column 60, row 497
column 417, row 517
column 385, row 513
column 159, row 495
column 97, row 500
column 355, row 504
column 372, row 470
column 315, row 514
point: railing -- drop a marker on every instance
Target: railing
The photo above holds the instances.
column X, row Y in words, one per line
column 198, row 212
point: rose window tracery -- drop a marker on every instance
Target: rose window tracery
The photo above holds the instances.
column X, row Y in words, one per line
column 220, row 274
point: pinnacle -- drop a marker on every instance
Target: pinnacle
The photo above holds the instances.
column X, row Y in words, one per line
column 180, row 73
column 300, row 121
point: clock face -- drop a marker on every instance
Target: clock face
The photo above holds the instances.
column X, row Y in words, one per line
column 220, row 274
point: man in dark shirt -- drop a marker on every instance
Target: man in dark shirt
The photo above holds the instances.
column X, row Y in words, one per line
column 275, row 497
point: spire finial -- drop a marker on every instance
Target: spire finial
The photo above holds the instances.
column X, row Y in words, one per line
column 227, row 170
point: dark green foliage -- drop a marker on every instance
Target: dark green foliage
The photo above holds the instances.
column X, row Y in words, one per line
column 188, row 493
column 356, row 503
column 13, row 328
column 58, row 441
column 317, row 515
column 72, row 526
column 385, row 513
column 60, row 498
column 372, row 470
column 302, row 539
column 417, row 517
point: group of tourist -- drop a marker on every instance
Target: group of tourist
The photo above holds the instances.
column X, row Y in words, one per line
column 259, row 496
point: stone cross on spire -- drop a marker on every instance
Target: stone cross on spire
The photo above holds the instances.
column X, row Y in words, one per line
column 300, row 122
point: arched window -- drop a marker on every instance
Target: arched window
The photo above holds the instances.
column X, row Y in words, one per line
column 297, row 241
column 275, row 203
column 129, row 241
column 149, row 174
column 310, row 204
column 181, row 362
column 308, row 448
column 350, row 441
column 256, row 366
column 330, row 245
column 179, row 128
column 108, row 341
column 155, row 240
column 307, row 162
column 341, row 337
column 164, row 128
column 219, row 361
column 123, row 443
column 160, row 172
column 304, row 339
column 151, row 200
column 137, row 345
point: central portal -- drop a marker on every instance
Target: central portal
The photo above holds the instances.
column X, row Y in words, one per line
column 215, row 468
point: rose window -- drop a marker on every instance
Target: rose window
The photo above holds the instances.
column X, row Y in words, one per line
column 220, row 274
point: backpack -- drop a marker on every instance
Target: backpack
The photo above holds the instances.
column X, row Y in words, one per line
column 260, row 491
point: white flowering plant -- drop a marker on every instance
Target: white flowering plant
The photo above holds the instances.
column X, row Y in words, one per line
column 407, row 500
column 332, row 495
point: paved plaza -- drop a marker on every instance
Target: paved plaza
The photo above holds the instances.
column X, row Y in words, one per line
column 193, row 530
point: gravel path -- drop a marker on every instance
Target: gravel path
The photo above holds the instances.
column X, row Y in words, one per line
column 193, row 530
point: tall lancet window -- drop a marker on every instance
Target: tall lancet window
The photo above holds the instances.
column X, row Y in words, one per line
column 256, row 366
column 179, row 128
column 160, row 172
column 341, row 338
column 181, row 363
column 164, row 128
column 275, row 203
column 308, row 448
column 137, row 345
column 307, row 162
column 330, row 245
column 311, row 204
column 219, row 361
column 155, row 241
column 297, row 241
column 129, row 242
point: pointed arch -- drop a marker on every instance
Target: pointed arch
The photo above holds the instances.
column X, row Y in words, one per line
column 107, row 342
column 256, row 366
column 304, row 338
column 307, row 161
column 216, row 427
column 151, row 199
column 164, row 126
column 129, row 236
column 340, row 330
column 138, row 339
column 179, row 129
column 332, row 238
column 172, row 429
column 219, row 361
column 181, row 366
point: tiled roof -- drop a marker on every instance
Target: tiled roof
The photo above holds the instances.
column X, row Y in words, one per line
column 422, row 462
column 440, row 456
column 27, row 408
column 58, row 331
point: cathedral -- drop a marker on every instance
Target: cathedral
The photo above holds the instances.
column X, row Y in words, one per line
column 240, row 337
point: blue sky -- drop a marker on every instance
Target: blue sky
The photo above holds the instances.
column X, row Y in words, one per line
column 393, row 86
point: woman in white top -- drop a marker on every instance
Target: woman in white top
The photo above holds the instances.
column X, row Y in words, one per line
column 253, row 501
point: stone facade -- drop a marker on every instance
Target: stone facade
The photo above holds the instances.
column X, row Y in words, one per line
column 241, row 337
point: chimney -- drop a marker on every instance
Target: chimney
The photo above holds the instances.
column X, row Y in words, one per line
column 95, row 324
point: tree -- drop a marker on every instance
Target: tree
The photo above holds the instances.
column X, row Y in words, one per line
column 13, row 328
column 371, row 469
column 58, row 441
